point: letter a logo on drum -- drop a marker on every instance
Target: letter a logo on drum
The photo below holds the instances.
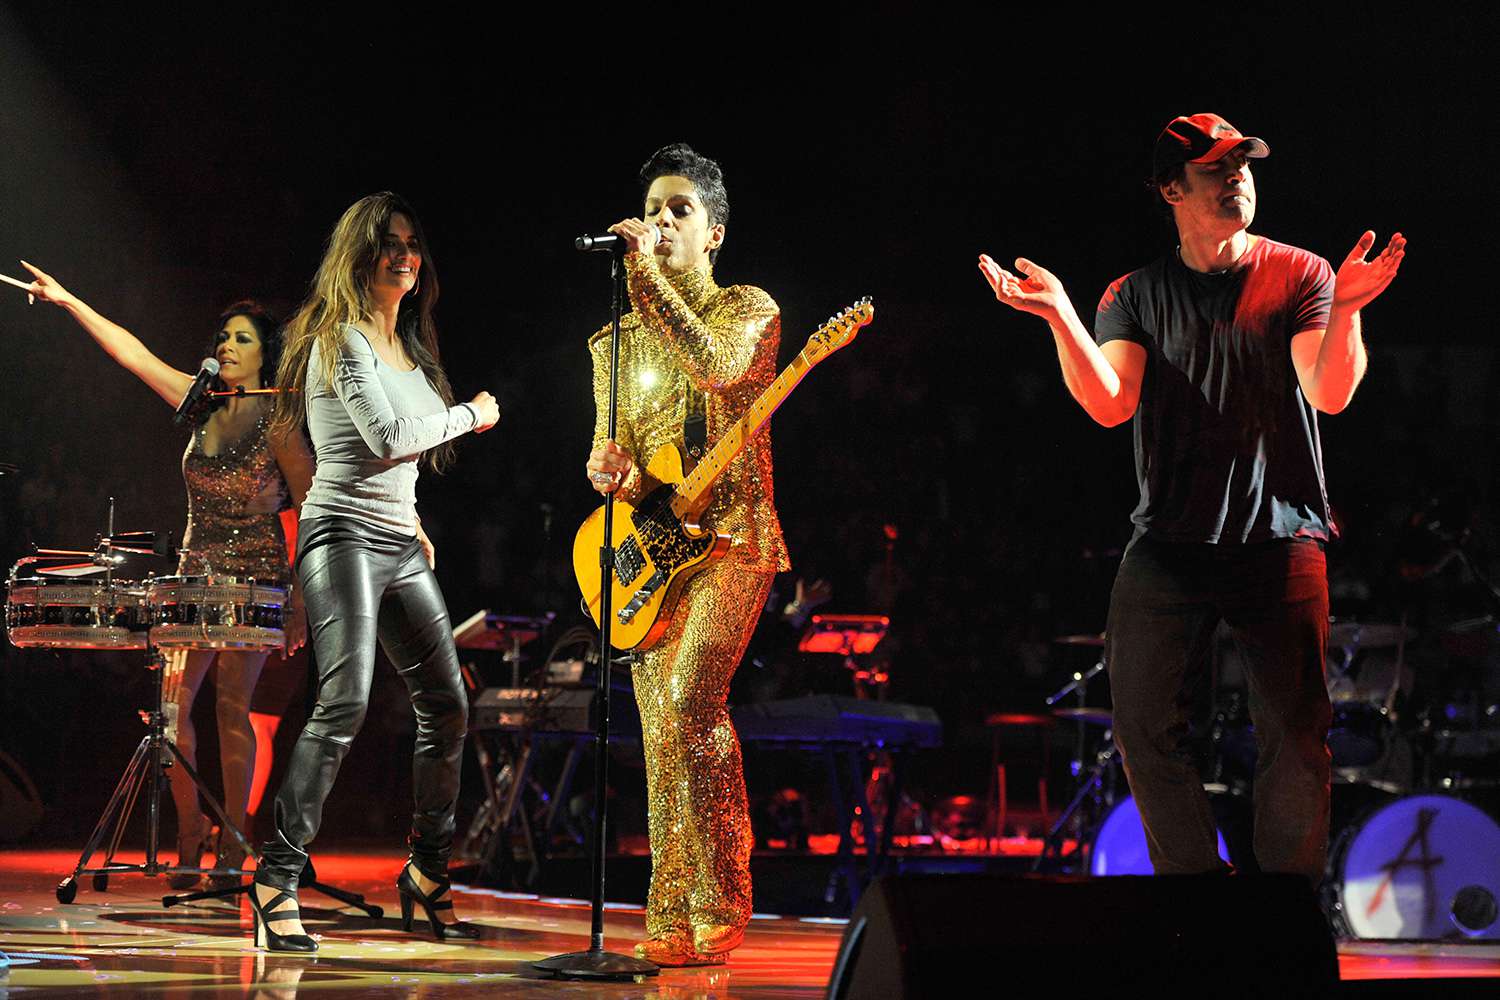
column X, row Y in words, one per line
column 1427, row 862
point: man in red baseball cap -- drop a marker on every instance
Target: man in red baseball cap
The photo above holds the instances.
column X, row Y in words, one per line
column 1223, row 352
column 1201, row 139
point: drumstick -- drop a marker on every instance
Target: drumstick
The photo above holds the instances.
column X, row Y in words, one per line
column 30, row 298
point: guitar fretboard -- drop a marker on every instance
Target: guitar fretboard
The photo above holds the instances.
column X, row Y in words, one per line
column 734, row 439
column 834, row 334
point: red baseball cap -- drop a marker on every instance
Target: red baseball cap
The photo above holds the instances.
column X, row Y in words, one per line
column 1201, row 138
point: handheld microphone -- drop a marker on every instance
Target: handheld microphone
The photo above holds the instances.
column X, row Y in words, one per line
column 207, row 372
column 604, row 242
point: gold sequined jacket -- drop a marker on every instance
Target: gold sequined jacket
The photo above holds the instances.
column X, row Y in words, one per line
column 690, row 343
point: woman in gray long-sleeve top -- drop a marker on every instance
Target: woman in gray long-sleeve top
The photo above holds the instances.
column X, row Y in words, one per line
column 362, row 354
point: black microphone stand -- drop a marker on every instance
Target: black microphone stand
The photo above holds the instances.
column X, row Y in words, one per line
column 596, row 963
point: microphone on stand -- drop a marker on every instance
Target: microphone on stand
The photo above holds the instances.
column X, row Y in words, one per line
column 207, row 372
column 604, row 242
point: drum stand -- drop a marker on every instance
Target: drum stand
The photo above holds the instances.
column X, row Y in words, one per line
column 307, row 880
column 146, row 769
column 1096, row 787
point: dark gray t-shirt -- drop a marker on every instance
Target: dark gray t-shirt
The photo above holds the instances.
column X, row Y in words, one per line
column 1226, row 447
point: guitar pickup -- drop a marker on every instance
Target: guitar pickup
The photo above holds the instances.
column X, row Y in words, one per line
column 629, row 561
column 640, row 597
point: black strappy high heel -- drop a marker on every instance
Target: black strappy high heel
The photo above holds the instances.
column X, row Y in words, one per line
column 265, row 916
column 410, row 891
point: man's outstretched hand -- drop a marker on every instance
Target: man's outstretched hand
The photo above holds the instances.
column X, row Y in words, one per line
column 1036, row 290
column 1359, row 281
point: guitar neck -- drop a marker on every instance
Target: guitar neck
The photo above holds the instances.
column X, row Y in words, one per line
column 692, row 489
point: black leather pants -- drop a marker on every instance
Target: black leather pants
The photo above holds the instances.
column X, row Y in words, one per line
column 361, row 584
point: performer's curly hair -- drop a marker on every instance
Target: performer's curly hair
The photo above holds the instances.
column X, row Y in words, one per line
column 340, row 296
column 681, row 160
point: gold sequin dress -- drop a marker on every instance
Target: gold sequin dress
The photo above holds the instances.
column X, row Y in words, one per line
column 691, row 344
column 235, row 499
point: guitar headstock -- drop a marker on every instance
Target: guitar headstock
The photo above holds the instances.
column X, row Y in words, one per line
column 838, row 331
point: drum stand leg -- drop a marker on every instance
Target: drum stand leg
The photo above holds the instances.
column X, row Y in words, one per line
column 309, row 877
column 1089, row 792
column 67, row 889
column 307, row 880
column 146, row 770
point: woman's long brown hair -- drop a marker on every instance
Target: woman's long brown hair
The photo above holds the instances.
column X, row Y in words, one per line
column 340, row 296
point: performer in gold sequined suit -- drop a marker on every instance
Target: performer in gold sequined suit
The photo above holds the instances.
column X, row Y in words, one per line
column 693, row 348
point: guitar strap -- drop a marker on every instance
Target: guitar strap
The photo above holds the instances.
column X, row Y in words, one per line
column 694, row 424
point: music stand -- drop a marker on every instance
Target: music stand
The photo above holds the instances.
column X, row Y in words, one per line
column 490, row 632
column 849, row 636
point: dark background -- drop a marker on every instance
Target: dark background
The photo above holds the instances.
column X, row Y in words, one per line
column 161, row 165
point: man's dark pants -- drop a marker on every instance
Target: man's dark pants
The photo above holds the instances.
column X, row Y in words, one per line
column 1167, row 602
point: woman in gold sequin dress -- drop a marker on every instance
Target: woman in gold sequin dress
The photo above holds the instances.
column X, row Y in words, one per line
column 691, row 347
column 239, row 479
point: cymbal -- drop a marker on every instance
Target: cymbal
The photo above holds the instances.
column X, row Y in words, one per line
column 1083, row 639
column 1094, row 716
column 1368, row 635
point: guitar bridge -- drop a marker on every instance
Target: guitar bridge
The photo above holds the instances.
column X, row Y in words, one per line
column 640, row 597
column 629, row 561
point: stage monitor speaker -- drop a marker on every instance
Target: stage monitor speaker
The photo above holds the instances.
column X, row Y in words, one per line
column 998, row 936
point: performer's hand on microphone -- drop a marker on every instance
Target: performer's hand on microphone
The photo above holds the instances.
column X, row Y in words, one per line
column 607, row 467
column 489, row 412
column 640, row 237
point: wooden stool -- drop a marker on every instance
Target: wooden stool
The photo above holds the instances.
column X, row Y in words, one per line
column 996, row 800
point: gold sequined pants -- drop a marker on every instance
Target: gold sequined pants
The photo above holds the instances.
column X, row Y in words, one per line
column 698, row 813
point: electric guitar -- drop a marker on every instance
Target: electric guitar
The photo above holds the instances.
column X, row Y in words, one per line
column 658, row 543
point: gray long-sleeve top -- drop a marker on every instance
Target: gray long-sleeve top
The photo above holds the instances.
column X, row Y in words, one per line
column 368, row 430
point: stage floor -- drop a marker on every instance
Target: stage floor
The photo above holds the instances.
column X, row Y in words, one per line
column 124, row 943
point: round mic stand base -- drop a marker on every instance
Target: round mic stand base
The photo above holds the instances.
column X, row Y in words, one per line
column 596, row 963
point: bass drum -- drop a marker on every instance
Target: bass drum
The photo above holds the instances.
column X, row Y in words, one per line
column 1421, row 868
column 1120, row 846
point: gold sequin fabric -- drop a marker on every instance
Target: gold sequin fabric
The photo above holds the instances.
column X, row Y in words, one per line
column 689, row 337
column 689, row 343
column 697, row 811
column 234, row 502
